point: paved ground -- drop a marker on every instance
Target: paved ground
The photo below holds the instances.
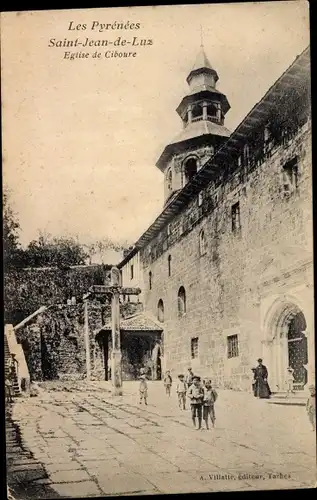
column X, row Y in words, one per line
column 88, row 443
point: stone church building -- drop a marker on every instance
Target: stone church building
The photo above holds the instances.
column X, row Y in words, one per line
column 226, row 269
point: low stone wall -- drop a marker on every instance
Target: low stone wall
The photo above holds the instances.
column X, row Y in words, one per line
column 54, row 344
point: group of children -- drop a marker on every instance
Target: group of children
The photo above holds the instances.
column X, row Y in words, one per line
column 201, row 395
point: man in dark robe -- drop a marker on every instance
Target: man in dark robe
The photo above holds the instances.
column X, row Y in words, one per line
column 262, row 389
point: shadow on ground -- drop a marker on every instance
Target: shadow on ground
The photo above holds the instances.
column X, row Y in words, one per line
column 26, row 477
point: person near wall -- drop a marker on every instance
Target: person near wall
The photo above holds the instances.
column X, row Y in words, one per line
column 168, row 383
column 210, row 397
column 189, row 377
column 262, row 388
column 253, row 382
column 181, row 392
column 143, row 389
column 196, row 397
column 289, row 381
column 311, row 406
column 8, row 390
column 13, row 367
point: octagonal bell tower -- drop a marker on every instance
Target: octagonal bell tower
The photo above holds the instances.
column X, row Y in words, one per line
column 202, row 112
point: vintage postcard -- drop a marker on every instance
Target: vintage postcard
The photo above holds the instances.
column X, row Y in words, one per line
column 158, row 250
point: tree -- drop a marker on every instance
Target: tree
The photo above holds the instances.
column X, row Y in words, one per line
column 55, row 252
column 13, row 255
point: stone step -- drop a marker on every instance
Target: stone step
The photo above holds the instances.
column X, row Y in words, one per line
column 282, row 398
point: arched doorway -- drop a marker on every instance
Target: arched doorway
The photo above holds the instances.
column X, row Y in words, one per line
column 297, row 350
column 286, row 346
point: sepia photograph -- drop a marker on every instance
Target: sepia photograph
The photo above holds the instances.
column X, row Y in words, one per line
column 158, row 250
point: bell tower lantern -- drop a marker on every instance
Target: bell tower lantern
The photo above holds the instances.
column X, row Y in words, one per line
column 202, row 112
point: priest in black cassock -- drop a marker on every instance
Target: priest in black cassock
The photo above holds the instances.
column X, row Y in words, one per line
column 261, row 387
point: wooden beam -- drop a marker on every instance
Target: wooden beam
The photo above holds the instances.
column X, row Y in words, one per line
column 109, row 290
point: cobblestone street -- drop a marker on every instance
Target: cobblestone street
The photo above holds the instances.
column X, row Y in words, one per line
column 89, row 443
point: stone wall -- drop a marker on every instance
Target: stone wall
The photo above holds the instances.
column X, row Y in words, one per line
column 54, row 344
column 226, row 284
column 25, row 290
column 176, row 164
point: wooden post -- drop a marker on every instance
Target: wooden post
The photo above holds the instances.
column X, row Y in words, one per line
column 86, row 335
column 205, row 104
column 114, row 291
column 116, row 356
column 190, row 114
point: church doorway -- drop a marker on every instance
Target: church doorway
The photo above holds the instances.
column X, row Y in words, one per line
column 297, row 350
column 287, row 347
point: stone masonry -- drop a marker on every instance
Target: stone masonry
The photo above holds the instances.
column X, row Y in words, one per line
column 224, row 286
column 239, row 242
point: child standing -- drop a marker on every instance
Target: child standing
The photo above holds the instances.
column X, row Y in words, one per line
column 290, row 380
column 196, row 396
column 168, row 383
column 143, row 389
column 8, row 390
column 181, row 392
column 210, row 397
column 189, row 377
column 311, row 406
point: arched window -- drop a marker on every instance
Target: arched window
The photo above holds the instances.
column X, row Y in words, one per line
column 190, row 168
column 181, row 301
column 197, row 111
column 160, row 311
column 202, row 242
column 169, row 178
column 150, row 280
column 169, row 263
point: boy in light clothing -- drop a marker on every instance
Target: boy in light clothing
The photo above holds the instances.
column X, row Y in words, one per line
column 290, row 380
column 181, row 389
column 143, row 389
column 168, row 383
column 196, row 396
column 210, row 397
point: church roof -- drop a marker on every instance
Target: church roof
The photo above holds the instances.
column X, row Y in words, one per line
column 194, row 130
column 136, row 323
column 201, row 63
column 171, row 197
column 201, row 127
column 202, row 92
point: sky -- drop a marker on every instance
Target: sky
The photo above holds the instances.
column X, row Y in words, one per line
column 81, row 137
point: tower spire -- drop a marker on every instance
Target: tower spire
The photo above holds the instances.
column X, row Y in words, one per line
column 201, row 37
